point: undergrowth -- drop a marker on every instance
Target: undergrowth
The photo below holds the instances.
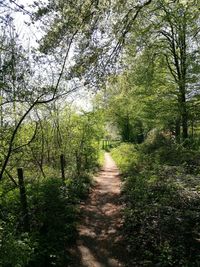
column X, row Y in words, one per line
column 53, row 215
column 162, row 196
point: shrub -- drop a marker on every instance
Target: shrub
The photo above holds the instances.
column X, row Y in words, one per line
column 53, row 221
column 15, row 251
column 156, row 139
column 160, row 148
column 161, row 217
column 161, row 220
column 126, row 157
column 53, row 211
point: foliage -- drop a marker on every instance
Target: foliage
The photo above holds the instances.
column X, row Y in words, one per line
column 158, row 87
column 161, row 148
column 126, row 156
column 15, row 251
column 101, row 158
column 155, row 84
column 53, row 219
column 161, row 219
column 162, row 200
column 53, row 212
column 52, row 202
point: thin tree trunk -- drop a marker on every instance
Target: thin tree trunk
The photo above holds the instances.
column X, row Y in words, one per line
column 23, row 200
column 184, row 115
column 178, row 130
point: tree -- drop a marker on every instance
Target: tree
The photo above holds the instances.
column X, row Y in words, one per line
column 160, row 80
column 20, row 93
column 170, row 33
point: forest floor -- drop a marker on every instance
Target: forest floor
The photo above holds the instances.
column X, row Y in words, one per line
column 100, row 242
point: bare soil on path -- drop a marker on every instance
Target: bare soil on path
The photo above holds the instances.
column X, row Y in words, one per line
column 100, row 242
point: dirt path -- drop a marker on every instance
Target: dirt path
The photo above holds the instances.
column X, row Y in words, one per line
column 100, row 243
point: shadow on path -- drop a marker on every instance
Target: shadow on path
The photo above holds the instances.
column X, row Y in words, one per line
column 100, row 242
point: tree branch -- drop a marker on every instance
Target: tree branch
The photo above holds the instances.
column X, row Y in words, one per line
column 30, row 141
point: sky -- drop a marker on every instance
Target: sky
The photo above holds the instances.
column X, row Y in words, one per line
column 30, row 34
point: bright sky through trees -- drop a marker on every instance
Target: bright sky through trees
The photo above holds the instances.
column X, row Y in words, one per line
column 30, row 35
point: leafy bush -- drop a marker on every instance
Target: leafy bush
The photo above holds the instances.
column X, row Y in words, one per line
column 161, row 219
column 155, row 140
column 53, row 212
column 53, row 222
column 15, row 251
column 160, row 148
column 126, row 157
column 101, row 158
column 78, row 187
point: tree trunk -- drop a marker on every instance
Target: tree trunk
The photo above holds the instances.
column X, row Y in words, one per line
column 62, row 165
column 23, row 200
column 178, row 130
column 184, row 115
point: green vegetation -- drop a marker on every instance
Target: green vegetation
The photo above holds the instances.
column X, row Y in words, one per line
column 53, row 215
column 101, row 158
column 162, row 197
column 52, row 201
column 126, row 157
column 141, row 60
